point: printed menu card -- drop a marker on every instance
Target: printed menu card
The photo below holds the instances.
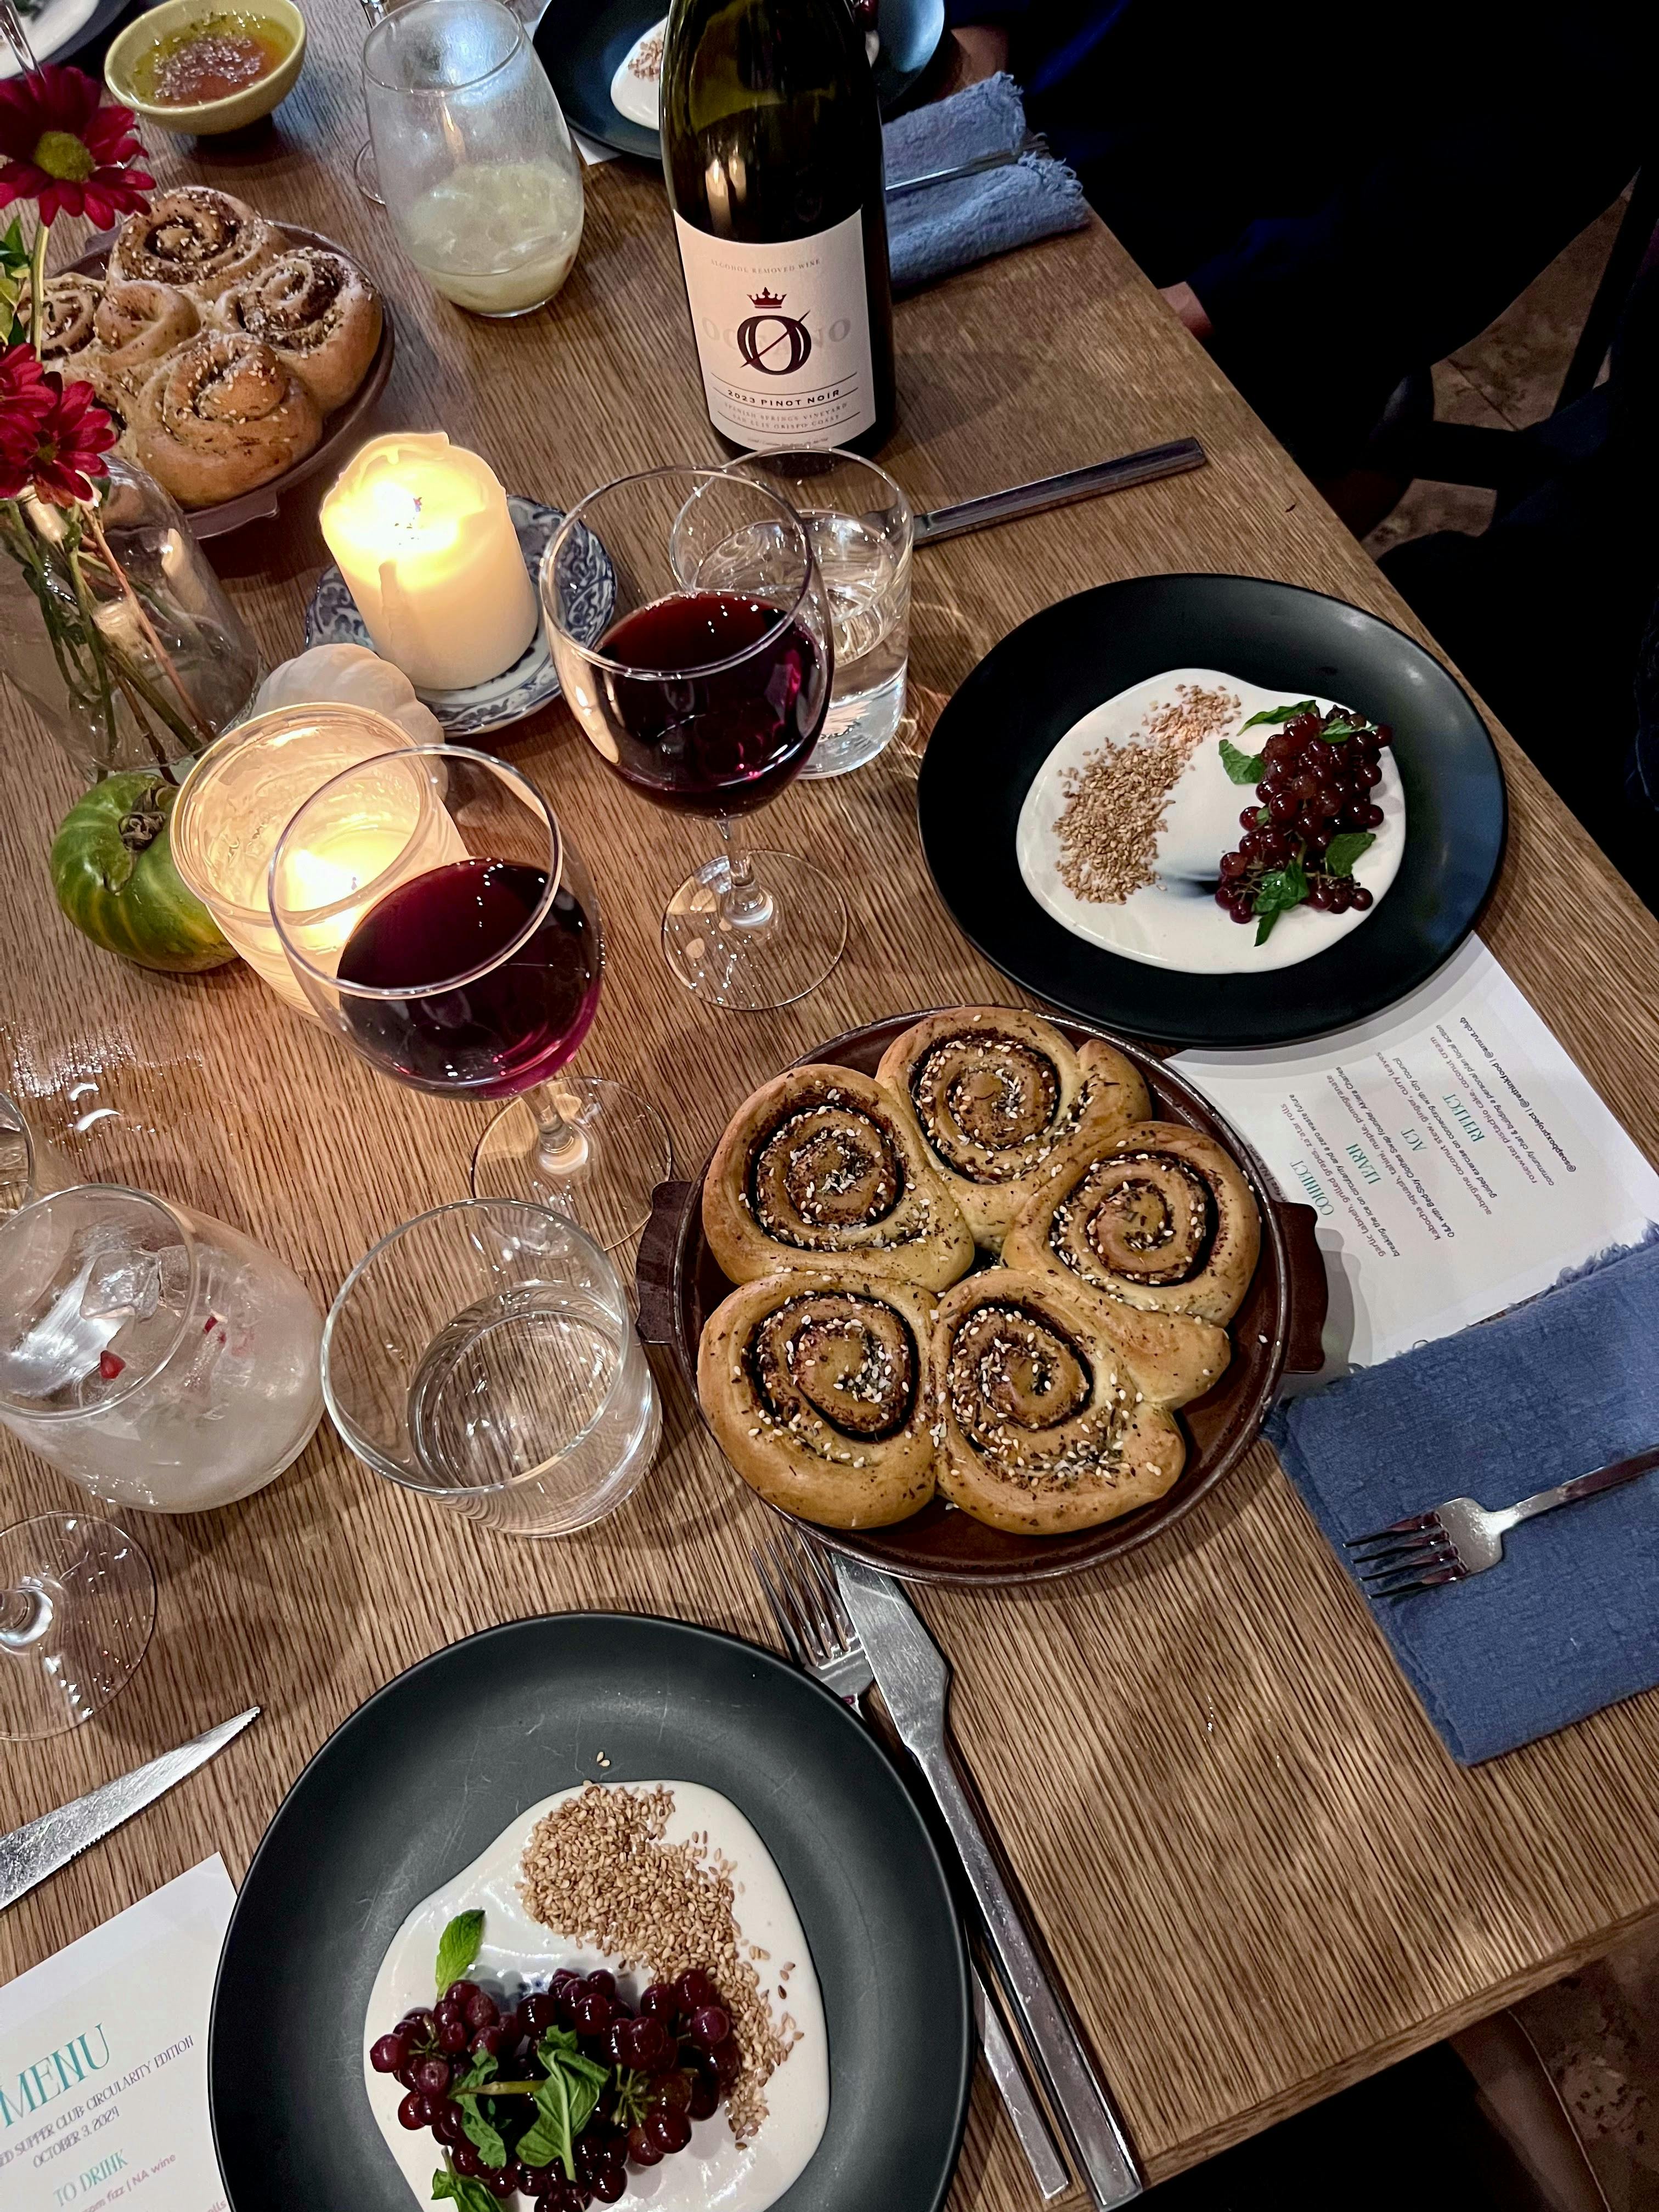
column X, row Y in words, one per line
column 1457, row 1160
column 103, row 2062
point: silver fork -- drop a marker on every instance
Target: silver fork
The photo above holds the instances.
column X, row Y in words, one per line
column 820, row 1639
column 1459, row 1538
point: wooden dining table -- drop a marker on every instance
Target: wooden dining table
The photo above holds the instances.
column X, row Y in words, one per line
column 1260, row 1873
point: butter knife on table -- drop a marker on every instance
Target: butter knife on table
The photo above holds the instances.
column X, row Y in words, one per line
column 914, row 1678
column 29, row 1854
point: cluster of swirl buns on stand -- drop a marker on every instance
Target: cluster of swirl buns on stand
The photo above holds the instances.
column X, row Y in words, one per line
column 987, row 1273
column 217, row 343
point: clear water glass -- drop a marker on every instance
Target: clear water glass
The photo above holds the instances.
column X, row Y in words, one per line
column 473, row 156
column 483, row 1355
column 862, row 530
column 157, row 1358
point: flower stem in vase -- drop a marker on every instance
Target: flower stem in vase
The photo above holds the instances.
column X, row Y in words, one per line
column 204, row 731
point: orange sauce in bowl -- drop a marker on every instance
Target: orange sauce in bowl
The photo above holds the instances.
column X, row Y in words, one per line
column 211, row 58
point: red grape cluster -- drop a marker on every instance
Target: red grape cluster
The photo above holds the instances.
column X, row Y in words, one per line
column 669, row 2062
column 1314, row 789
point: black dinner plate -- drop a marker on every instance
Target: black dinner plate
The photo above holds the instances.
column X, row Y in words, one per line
column 582, row 47
column 421, row 1778
column 1002, row 724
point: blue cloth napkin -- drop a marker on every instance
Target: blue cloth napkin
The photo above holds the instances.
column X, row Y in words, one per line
column 1569, row 1622
column 950, row 227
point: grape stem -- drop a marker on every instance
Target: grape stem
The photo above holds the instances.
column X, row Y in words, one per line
column 501, row 2089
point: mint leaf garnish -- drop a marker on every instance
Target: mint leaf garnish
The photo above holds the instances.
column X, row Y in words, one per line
column 1243, row 767
column 458, row 1946
column 1262, row 816
column 483, row 2135
column 1344, row 850
column 1281, row 713
column 458, row 2189
column 1280, row 889
column 1335, row 730
column 565, row 2102
column 483, row 2068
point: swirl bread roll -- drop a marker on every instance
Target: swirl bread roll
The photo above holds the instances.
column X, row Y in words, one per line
column 220, row 416
column 138, row 323
column 319, row 315
column 1047, row 1426
column 196, row 237
column 1162, row 1219
column 819, row 1165
column 69, row 309
column 114, row 395
column 815, row 1383
column 993, row 1091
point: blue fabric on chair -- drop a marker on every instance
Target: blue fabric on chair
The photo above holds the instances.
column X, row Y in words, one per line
column 1568, row 1621
column 950, row 227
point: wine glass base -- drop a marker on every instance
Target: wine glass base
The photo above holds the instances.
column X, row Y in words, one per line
column 603, row 1181
column 798, row 934
column 93, row 1606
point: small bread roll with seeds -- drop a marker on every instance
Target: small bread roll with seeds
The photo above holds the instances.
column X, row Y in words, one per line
column 994, row 1092
column 820, row 1166
column 1047, row 1427
column 1162, row 1219
column 816, row 1385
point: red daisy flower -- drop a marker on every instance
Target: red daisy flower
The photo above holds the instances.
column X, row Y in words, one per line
column 25, row 395
column 59, row 147
column 62, row 452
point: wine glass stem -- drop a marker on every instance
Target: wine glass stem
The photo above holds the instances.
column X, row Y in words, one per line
column 561, row 1146
column 744, row 904
column 26, row 1614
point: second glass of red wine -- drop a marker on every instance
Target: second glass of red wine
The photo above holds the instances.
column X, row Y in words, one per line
column 706, row 693
column 475, row 975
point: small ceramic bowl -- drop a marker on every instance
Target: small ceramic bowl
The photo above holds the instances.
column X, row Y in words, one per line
column 207, row 117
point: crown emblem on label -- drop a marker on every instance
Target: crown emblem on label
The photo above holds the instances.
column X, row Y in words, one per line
column 765, row 299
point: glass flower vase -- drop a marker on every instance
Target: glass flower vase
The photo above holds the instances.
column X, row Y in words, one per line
column 115, row 629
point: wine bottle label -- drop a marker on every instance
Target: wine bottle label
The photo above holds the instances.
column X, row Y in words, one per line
column 783, row 335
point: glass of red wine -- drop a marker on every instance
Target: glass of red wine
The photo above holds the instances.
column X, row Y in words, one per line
column 706, row 692
column 475, row 974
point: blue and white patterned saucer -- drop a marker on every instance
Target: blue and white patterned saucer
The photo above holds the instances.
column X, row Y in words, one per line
column 332, row 619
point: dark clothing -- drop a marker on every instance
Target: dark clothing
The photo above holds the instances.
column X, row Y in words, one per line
column 1351, row 195
column 1546, row 612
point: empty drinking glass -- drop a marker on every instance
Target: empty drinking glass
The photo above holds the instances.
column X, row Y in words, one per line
column 483, row 1355
column 157, row 1358
column 474, row 160
column 862, row 527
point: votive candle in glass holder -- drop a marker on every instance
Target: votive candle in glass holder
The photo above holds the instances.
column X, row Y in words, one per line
column 424, row 539
column 246, row 788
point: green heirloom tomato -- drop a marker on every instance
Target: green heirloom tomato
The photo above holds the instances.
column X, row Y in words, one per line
column 112, row 868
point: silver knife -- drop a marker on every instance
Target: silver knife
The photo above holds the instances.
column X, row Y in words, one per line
column 914, row 1678
column 1171, row 460
column 29, row 1854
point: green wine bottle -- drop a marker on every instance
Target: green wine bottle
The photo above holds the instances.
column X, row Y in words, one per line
column 771, row 145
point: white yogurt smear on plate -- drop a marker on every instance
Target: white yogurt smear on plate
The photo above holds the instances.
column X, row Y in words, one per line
column 636, row 93
column 1175, row 922
column 713, row 2170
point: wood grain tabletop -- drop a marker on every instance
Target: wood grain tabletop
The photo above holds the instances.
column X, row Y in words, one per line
column 1261, row 1873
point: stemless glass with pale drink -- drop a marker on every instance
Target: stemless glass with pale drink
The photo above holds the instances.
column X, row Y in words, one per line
column 862, row 530
column 475, row 161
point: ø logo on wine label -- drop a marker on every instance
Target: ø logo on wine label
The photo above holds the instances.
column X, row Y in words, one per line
column 783, row 335
column 775, row 344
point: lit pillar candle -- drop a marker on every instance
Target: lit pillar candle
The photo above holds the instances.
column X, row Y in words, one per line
column 248, row 786
column 422, row 535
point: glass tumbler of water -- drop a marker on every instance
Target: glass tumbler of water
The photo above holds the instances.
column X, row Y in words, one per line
column 484, row 1355
column 157, row 1358
column 475, row 161
column 862, row 529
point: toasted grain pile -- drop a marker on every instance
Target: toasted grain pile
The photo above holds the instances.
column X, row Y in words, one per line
column 1113, row 817
column 597, row 1869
